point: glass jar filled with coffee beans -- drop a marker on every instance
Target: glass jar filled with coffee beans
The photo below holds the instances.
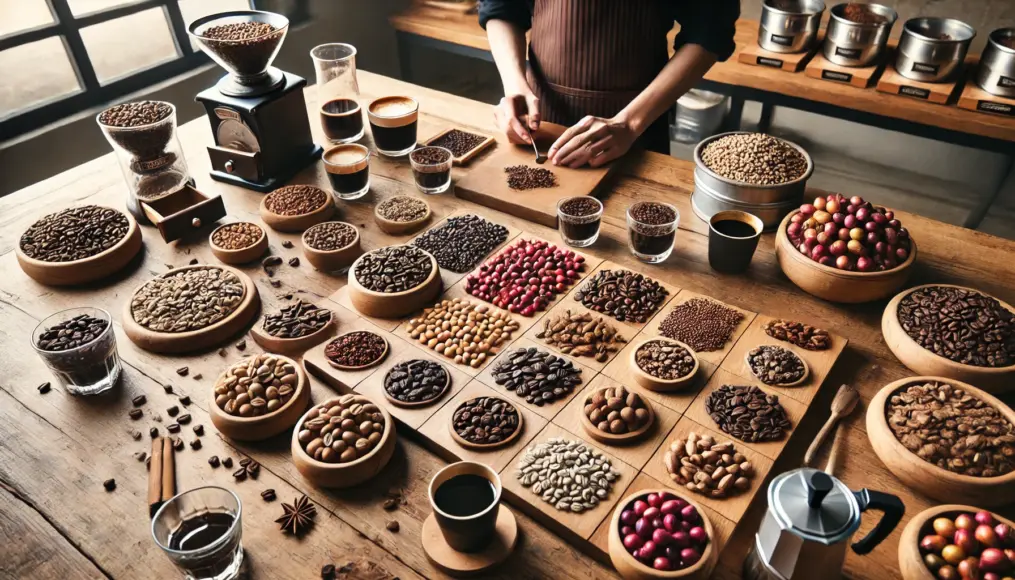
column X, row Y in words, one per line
column 651, row 229
column 431, row 169
column 79, row 346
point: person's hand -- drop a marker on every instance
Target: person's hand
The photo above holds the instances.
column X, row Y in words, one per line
column 517, row 115
column 593, row 141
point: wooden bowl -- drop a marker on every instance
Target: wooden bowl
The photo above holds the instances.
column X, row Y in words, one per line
column 418, row 404
column 333, row 260
column 927, row 478
column 631, row 569
column 88, row 269
column 396, row 304
column 910, row 558
column 487, row 446
column 380, row 359
column 265, row 426
column 623, row 438
column 243, row 255
column 662, row 385
column 394, row 228
column 800, row 381
column 339, row 475
column 836, row 285
column 299, row 345
column 297, row 223
column 194, row 340
column 924, row 362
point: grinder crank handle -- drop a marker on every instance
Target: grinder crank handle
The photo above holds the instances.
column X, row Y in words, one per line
column 893, row 510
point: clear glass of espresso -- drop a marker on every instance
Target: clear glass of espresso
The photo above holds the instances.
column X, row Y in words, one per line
column 431, row 169
column 465, row 498
column 578, row 219
column 652, row 229
column 348, row 168
column 393, row 122
column 91, row 368
column 342, row 120
column 200, row 531
column 337, row 91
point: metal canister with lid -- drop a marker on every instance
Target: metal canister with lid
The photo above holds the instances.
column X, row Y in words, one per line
column 810, row 518
column 789, row 26
column 996, row 73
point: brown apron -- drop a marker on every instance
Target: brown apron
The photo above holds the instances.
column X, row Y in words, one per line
column 592, row 57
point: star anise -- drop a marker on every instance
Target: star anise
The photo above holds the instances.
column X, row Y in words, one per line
column 298, row 516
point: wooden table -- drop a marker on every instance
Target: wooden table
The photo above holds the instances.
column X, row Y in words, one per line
column 56, row 450
column 461, row 34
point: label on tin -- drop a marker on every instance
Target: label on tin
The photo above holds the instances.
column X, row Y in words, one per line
column 782, row 40
column 833, row 75
column 926, row 68
column 998, row 108
column 1006, row 82
column 914, row 92
column 850, row 53
column 774, row 62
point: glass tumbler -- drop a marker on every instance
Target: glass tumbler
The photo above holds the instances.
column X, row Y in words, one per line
column 90, row 369
column 200, row 531
column 651, row 229
column 338, row 91
column 431, row 169
column 578, row 219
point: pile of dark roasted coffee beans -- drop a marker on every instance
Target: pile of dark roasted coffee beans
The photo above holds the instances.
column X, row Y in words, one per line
column 523, row 177
column 747, row 413
column 393, row 269
column 137, row 127
column 430, row 155
column 356, row 349
column 458, row 142
column 417, row 381
column 135, row 114
column 296, row 320
column 537, row 375
column 462, row 241
column 74, row 234
column 702, row 324
column 329, row 236
column 486, row 420
column 244, row 46
column 292, row 200
column 623, row 295
column 77, row 331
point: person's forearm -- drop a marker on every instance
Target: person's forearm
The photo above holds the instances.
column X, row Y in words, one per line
column 507, row 44
column 682, row 72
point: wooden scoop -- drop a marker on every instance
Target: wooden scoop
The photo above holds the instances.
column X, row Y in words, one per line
column 842, row 405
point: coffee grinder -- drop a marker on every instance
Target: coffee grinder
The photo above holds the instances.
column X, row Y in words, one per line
column 258, row 113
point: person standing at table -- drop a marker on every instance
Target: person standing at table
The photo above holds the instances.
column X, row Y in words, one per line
column 602, row 68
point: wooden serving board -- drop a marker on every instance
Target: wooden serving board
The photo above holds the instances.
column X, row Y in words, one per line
column 894, row 83
column 486, row 183
column 974, row 98
column 754, row 55
column 860, row 77
column 640, row 463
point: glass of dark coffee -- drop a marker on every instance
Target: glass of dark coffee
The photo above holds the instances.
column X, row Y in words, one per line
column 200, row 531
column 342, row 120
column 393, row 122
column 348, row 168
column 431, row 169
column 651, row 229
column 578, row 219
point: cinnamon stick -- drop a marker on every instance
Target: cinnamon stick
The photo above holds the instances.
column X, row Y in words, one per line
column 168, row 470
column 155, row 478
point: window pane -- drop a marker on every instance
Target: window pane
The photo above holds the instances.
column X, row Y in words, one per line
column 132, row 43
column 23, row 14
column 34, row 73
column 194, row 9
column 79, row 7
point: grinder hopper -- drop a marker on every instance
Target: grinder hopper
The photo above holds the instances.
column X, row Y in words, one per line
column 247, row 57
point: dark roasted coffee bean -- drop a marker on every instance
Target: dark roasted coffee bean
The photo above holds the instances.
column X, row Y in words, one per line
column 214, row 461
column 185, row 399
column 140, row 456
column 287, row 244
column 173, row 411
column 416, row 381
column 135, row 414
column 78, row 331
column 702, row 324
column 182, row 371
column 183, row 419
column 747, row 413
column 461, row 242
column 623, row 295
column 485, row 420
column 198, row 377
column 242, row 345
column 537, row 375
column 268, row 495
column 167, row 388
column 153, row 432
column 390, row 504
column 240, row 474
column 294, row 262
column 44, row 388
column 139, row 400
column 393, row 269
column 199, row 430
column 271, row 261
column 253, row 469
column 135, row 435
column 328, row 572
column 195, row 444
column 392, row 526
column 177, row 444
column 109, row 484
column 227, row 462
column 296, row 320
column 173, row 427
column 74, row 234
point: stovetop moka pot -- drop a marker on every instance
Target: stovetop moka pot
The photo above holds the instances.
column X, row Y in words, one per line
column 810, row 518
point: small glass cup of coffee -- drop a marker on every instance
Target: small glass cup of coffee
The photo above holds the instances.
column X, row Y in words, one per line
column 578, row 219
column 342, row 120
column 465, row 497
column 651, row 229
column 200, row 531
column 88, row 365
column 431, row 168
column 393, row 122
column 732, row 238
column 348, row 168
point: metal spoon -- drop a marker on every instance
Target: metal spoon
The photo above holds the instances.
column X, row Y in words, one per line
column 842, row 405
column 540, row 158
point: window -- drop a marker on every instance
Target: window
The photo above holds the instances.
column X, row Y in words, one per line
column 61, row 57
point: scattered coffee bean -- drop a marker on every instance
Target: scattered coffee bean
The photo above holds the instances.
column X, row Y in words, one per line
column 702, row 324
column 774, row 365
column 342, row 430
column 390, row 504
column 271, row 261
column 747, row 413
column 479, row 334
column 177, row 444
column 74, row 333
column 568, row 475
column 242, row 345
column 183, row 419
column 581, row 334
column 356, row 349
column 537, row 375
column 755, row 159
column 461, row 242
column 236, row 236
column 296, row 320
column 526, row 276
column 195, row 444
column 294, row 200
column 255, row 386
column 268, row 495
column 393, row 269
column 485, row 420
column 623, row 295
column 459, row 142
column 523, row 177
column 192, row 262
column 798, row 333
column 173, row 427
column 287, row 244
column 664, row 360
column 214, row 461
column 135, row 414
column 74, row 234
column 44, row 388
column 392, row 526
column 617, row 411
column 109, row 484
column 329, row 236
column 185, row 399
column 173, row 411
column 706, row 467
column 275, row 283
column 227, row 462
column 139, row 400
column 135, row 435
column 294, row 262
column 140, row 456
column 168, row 388
column 328, row 572
column 199, row 430
column 417, row 381
column 153, row 432
column 402, row 208
column 240, row 474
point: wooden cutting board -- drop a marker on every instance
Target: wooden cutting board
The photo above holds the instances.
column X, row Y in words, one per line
column 486, row 182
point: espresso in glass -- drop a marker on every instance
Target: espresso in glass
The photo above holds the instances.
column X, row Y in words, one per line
column 342, row 120
column 348, row 168
column 393, row 122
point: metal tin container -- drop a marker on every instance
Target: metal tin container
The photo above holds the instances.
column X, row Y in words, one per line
column 996, row 73
column 856, row 44
column 741, row 192
column 932, row 49
column 791, row 28
column 706, row 203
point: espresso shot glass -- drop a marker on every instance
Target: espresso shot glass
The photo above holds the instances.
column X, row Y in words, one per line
column 393, row 122
column 578, row 219
column 651, row 230
column 201, row 531
column 348, row 168
column 465, row 498
column 431, row 169
column 342, row 120
column 732, row 238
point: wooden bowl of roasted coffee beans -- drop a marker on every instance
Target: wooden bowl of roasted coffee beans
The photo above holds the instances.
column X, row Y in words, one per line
column 946, row 439
column 78, row 245
column 401, row 215
column 331, row 246
column 343, row 442
column 615, row 416
column 356, row 350
column 294, row 328
column 485, row 423
column 393, row 282
column 777, row 366
column 705, row 466
column 663, row 365
column 259, row 397
column 416, row 383
column 917, row 326
column 238, row 243
column 294, row 208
